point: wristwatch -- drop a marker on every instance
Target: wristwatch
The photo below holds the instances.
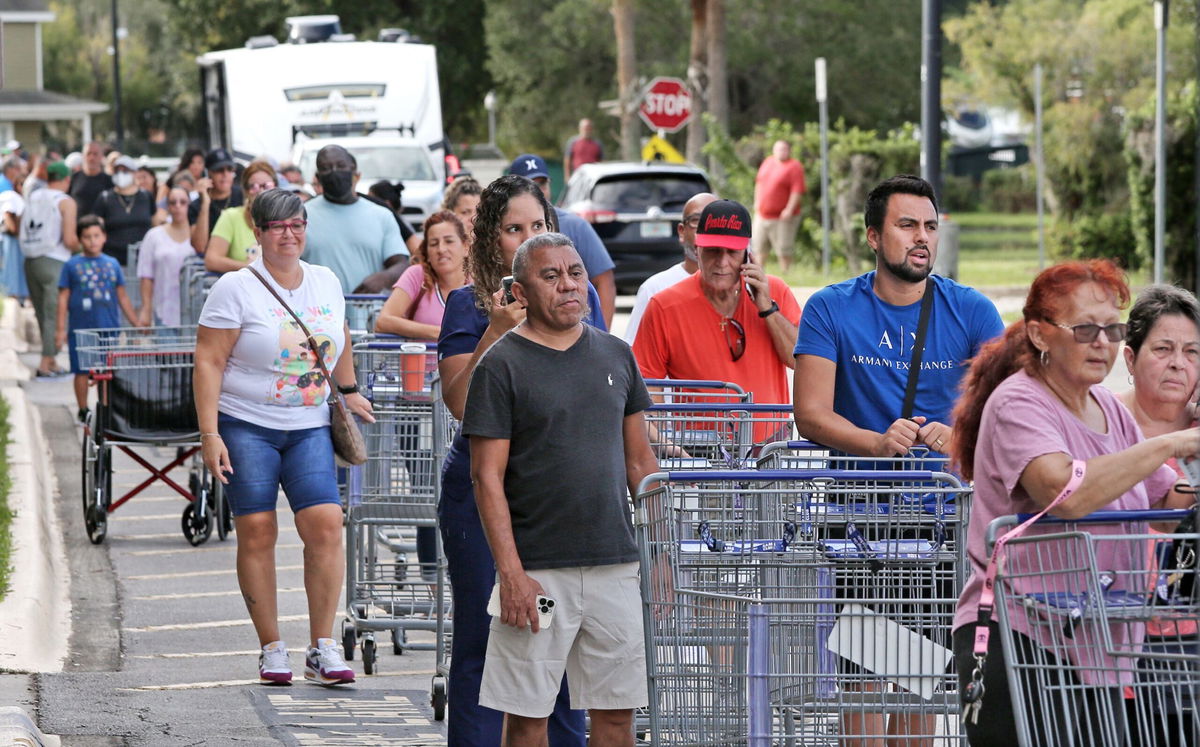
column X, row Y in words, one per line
column 770, row 311
column 352, row 389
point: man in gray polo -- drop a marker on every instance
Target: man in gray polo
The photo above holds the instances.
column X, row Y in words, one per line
column 554, row 397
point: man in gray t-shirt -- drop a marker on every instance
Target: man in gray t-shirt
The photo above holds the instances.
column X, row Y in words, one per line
column 555, row 417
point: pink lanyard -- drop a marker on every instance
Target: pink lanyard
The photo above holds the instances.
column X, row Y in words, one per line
column 987, row 598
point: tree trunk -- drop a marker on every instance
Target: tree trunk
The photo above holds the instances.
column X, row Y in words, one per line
column 697, row 79
column 718, row 87
column 623, row 24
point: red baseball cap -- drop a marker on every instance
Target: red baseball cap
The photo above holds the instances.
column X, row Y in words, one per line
column 724, row 224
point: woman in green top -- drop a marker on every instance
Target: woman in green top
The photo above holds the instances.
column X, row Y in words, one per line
column 232, row 245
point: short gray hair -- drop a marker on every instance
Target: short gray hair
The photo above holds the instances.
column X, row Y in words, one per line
column 13, row 162
column 1155, row 302
column 276, row 204
column 531, row 245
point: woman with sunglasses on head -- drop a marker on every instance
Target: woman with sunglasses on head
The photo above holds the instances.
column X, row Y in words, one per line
column 232, row 244
column 511, row 209
column 162, row 254
column 1035, row 425
column 264, row 423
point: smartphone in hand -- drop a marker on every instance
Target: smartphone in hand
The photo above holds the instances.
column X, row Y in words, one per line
column 507, row 282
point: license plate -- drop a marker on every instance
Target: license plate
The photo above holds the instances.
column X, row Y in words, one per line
column 656, row 229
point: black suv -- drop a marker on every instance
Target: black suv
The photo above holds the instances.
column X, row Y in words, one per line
column 635, row 208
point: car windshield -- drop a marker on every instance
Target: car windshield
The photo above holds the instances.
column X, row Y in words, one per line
column 637, row 193
column 403, row 162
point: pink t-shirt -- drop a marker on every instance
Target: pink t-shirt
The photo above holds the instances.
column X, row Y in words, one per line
column 1021, row 421
column 431, row 305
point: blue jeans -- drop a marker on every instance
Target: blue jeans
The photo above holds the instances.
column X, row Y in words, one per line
column 265, row 458
column 472, row 574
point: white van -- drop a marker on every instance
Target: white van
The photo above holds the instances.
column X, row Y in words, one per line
column 267, row 99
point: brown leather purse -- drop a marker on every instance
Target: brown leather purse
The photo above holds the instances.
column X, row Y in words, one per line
column 348, row 442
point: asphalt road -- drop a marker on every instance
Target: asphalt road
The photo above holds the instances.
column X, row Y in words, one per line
column 162, row 651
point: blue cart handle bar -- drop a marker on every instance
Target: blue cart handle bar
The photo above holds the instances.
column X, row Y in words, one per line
column 697, row 384
column 767, row 475
column 1110, row 517
column 718, row 407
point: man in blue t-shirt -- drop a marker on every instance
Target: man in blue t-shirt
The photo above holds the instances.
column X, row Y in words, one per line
column 350, row 235
column 856, row 337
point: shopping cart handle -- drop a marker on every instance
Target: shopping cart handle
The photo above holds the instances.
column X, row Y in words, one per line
column 1110, row 517
column 365, row 296
column 394, row 343
column 767, row 475
column 700, row 383
column 718, row 407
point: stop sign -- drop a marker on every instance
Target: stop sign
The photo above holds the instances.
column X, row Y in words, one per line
column 666, row 104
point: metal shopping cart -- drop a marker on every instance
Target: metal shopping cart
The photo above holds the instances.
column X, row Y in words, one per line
column 361, row 311
column 144, row 381
column 1098, row 622
column 194, row 284
column 395, row 571
column 798, row 607
column 721, row 435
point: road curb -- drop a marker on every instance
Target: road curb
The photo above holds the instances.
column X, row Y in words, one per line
column 16, row 728
column 35, row 616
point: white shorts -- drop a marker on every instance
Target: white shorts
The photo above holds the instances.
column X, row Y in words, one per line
column 774, row 233
column 596, row 637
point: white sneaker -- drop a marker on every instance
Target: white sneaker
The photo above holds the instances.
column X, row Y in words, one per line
column 273, row 665
column 325, row 665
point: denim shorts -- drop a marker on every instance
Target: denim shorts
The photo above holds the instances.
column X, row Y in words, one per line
column 263, row 459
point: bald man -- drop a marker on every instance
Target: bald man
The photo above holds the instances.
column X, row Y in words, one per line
column 673, row 274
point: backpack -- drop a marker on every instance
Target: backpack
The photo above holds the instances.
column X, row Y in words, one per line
column 41, row 224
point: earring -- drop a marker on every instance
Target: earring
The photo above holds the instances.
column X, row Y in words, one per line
column 1044, row 358
column 1130, row 377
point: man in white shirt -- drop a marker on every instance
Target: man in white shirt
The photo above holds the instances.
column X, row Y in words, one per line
column 674, row 273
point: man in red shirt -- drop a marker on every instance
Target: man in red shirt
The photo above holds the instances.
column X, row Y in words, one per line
column 728, row 322
column 777, row 191
column 581, row 149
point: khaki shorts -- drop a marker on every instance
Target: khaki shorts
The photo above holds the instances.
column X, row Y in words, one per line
column 777, row 234
column 596, row 637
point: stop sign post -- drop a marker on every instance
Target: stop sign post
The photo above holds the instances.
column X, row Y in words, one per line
column 666, row 105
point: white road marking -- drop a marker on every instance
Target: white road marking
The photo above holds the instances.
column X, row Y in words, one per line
column 219, row 547
column 204, row 594
column 189, row 686
column 194, row 574
column 195, row 655
column 215, row 624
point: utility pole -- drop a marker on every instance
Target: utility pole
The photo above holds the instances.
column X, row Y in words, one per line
column 931, row 94
column 823, row 111
column 116, row 45
column 1160, row 140
column 1040, row 164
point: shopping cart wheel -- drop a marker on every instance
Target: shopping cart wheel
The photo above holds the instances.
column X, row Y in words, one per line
column 349, row 638
column 438, row 698
column 398, row 640
column 368, row 653
column 196, row 529
column 96, row 520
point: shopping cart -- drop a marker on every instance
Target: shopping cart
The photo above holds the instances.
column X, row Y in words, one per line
column 803, row 454
column 194, row 284
column 144, row 381
column 720, row 435
column 395, row 572
column 361, row 310
column 1098, row 622
column 798, row 607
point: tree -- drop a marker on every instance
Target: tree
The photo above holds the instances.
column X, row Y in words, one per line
column 697, row 79
column 627, row 84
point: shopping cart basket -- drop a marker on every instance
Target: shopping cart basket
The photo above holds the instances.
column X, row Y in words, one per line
column 765, row 625
column 721, row 435
column 361, row 310
column 144, row 381
column 395, row 573
column 1098, row 622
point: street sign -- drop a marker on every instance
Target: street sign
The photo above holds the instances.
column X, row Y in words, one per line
column 658, row 149
column 666, row 105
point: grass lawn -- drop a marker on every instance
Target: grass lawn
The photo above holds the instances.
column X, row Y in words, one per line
column 6, row 514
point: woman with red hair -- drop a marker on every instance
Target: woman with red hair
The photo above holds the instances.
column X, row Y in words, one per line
column 1033, row 424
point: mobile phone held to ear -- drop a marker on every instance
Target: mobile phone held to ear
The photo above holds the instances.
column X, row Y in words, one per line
column 545, row 606
column 507, row 282
column 749, row 258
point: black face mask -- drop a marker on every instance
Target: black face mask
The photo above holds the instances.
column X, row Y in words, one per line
column 337, row 186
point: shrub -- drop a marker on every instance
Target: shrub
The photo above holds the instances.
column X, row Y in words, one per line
column 1009, row 190
column 959, row 194
column 1106, row 236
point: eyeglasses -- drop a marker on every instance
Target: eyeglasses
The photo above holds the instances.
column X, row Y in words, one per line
column 277, row 227
column 1089, row 332
column 261, row 187
column 693, row 222
column 735, row 341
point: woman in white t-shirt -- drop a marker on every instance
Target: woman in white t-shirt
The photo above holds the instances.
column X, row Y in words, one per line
column 264, row 422
column 162, row 254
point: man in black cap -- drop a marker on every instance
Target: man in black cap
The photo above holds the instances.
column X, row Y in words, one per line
column 217, row 192
column 728, row 322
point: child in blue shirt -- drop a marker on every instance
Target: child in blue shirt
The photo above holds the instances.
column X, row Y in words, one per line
column 90, row 289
